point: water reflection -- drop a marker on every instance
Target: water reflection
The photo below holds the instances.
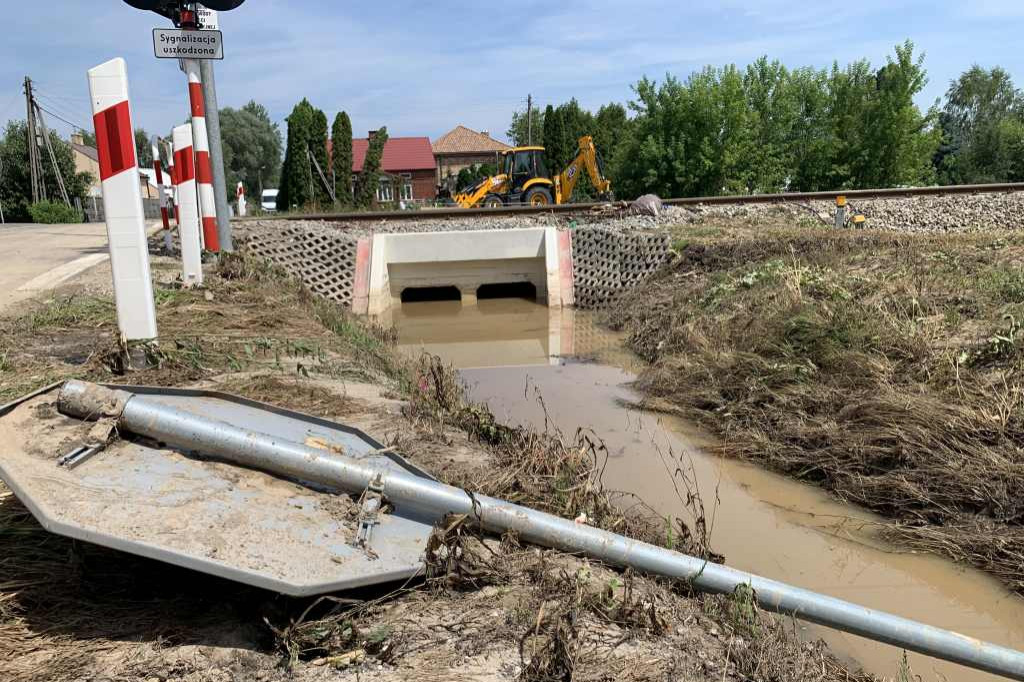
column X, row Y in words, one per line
column 503, row 332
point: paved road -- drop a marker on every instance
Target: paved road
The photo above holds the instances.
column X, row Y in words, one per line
column 35, row 258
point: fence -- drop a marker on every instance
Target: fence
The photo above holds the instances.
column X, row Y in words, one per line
column 93, row 208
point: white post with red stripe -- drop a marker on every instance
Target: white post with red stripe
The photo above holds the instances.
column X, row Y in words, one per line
column 188, row 211
column 158, row 169
column 173, row 194
column 122, row 200
column 240, row 198
column 204, row 172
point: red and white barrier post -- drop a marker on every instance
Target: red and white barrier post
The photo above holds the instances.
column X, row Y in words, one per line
column 122, row 200
column 174, row 183
column 204, row 171
column 188, row 211
column 158, row 169
column 240, row 198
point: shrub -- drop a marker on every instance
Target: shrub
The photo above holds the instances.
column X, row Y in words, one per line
column 50, row 212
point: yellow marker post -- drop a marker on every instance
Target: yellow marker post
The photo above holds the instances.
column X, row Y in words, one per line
column 840, row 212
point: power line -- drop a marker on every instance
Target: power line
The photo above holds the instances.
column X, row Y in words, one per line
column 64, row 107
column 77, row 126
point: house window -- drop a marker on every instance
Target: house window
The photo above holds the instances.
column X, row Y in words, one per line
column 406, row 190
column 385, row 192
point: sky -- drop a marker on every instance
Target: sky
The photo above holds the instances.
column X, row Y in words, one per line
column 423, row 68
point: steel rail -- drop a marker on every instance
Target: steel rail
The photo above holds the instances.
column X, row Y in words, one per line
column 145, row 416
column 786, row 197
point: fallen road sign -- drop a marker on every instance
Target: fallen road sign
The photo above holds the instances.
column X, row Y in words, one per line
column 172, row 43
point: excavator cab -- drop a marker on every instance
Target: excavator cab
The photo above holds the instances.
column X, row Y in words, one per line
column 526, row 170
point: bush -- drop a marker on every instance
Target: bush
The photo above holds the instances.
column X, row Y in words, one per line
column 52, row 212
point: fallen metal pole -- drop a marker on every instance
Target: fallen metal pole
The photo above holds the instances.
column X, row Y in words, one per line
column 183, row 430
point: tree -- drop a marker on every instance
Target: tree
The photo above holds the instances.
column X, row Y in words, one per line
column 471, row 176
column 296, row 180
column 611, row 124
column 318, row 145
column 252, row 148
column 899, row 141
column 16, row 183
column 554, row 139
column 518, row 129
column 88, row 137
column 982, row 114
column 369, row 177
column 766, row 128
column 144, row 148
column 341, row 158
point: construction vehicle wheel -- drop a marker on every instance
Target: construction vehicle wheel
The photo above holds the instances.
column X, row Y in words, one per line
column 538, row 196
column 493, row 201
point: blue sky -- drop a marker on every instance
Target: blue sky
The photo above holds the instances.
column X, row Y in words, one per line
column 422, row 68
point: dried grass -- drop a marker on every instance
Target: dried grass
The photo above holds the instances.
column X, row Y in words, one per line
column 886, row 368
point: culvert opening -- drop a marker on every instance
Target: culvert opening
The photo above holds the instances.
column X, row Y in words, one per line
column 525, row 290
column 423, row 294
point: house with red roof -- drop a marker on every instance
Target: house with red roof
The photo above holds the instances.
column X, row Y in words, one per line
column 408, row 164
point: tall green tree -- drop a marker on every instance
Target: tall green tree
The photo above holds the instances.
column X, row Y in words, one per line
column 555, row 137
column 252, row 148
column 519, row 128
column 16, row 183
column 980, row 122
column 900, row 141
column 318, row 145
column 296, row 190
column 611, row 124
column 369, row 177
column 341, row 158
column 143, row 148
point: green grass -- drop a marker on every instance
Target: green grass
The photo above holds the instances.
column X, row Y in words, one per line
column 71, row 311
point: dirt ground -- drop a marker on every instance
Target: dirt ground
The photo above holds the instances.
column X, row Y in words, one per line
column 884, row 367
column 489, row 608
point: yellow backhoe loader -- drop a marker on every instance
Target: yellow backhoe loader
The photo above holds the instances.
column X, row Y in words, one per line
column 524, row 179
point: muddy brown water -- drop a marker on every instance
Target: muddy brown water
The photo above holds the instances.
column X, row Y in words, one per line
column 510, row 351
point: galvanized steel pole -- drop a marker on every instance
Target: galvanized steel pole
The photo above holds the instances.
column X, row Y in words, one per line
column 220, row 191
column 187, row 431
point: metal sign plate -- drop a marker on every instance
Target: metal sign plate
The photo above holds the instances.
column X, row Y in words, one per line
column 182, row 508
column 173, row 43
column 208, row 19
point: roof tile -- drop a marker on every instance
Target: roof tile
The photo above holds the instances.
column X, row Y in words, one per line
column 462, row 140
column 401, row 154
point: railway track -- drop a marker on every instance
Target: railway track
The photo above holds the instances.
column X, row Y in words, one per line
column 789, row 197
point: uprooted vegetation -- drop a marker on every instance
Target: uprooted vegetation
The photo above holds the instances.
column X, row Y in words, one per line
column 884, row 367
column 489, row 608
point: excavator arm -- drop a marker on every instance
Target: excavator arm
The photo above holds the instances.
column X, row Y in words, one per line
column 588, row 159
column 492, row 185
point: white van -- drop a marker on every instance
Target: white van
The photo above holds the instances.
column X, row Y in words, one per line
column 268, row 201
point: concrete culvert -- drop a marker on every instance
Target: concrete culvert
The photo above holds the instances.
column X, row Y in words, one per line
column 527, row 290
column 423, row 294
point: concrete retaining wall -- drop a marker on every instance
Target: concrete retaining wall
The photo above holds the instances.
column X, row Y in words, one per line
column 607, row 262
column 323, row 258
column 586, row 267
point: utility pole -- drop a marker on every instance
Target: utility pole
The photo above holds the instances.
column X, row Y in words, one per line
column 53, row 157
column 529, row 119
column 34, row 162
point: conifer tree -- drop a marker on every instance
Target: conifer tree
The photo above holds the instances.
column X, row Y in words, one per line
column 370, row 175
column 341, row 158
column 294, row 191
column 318, row 145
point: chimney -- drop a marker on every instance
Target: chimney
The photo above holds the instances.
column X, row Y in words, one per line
column 485, row 133
column 76, row 138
